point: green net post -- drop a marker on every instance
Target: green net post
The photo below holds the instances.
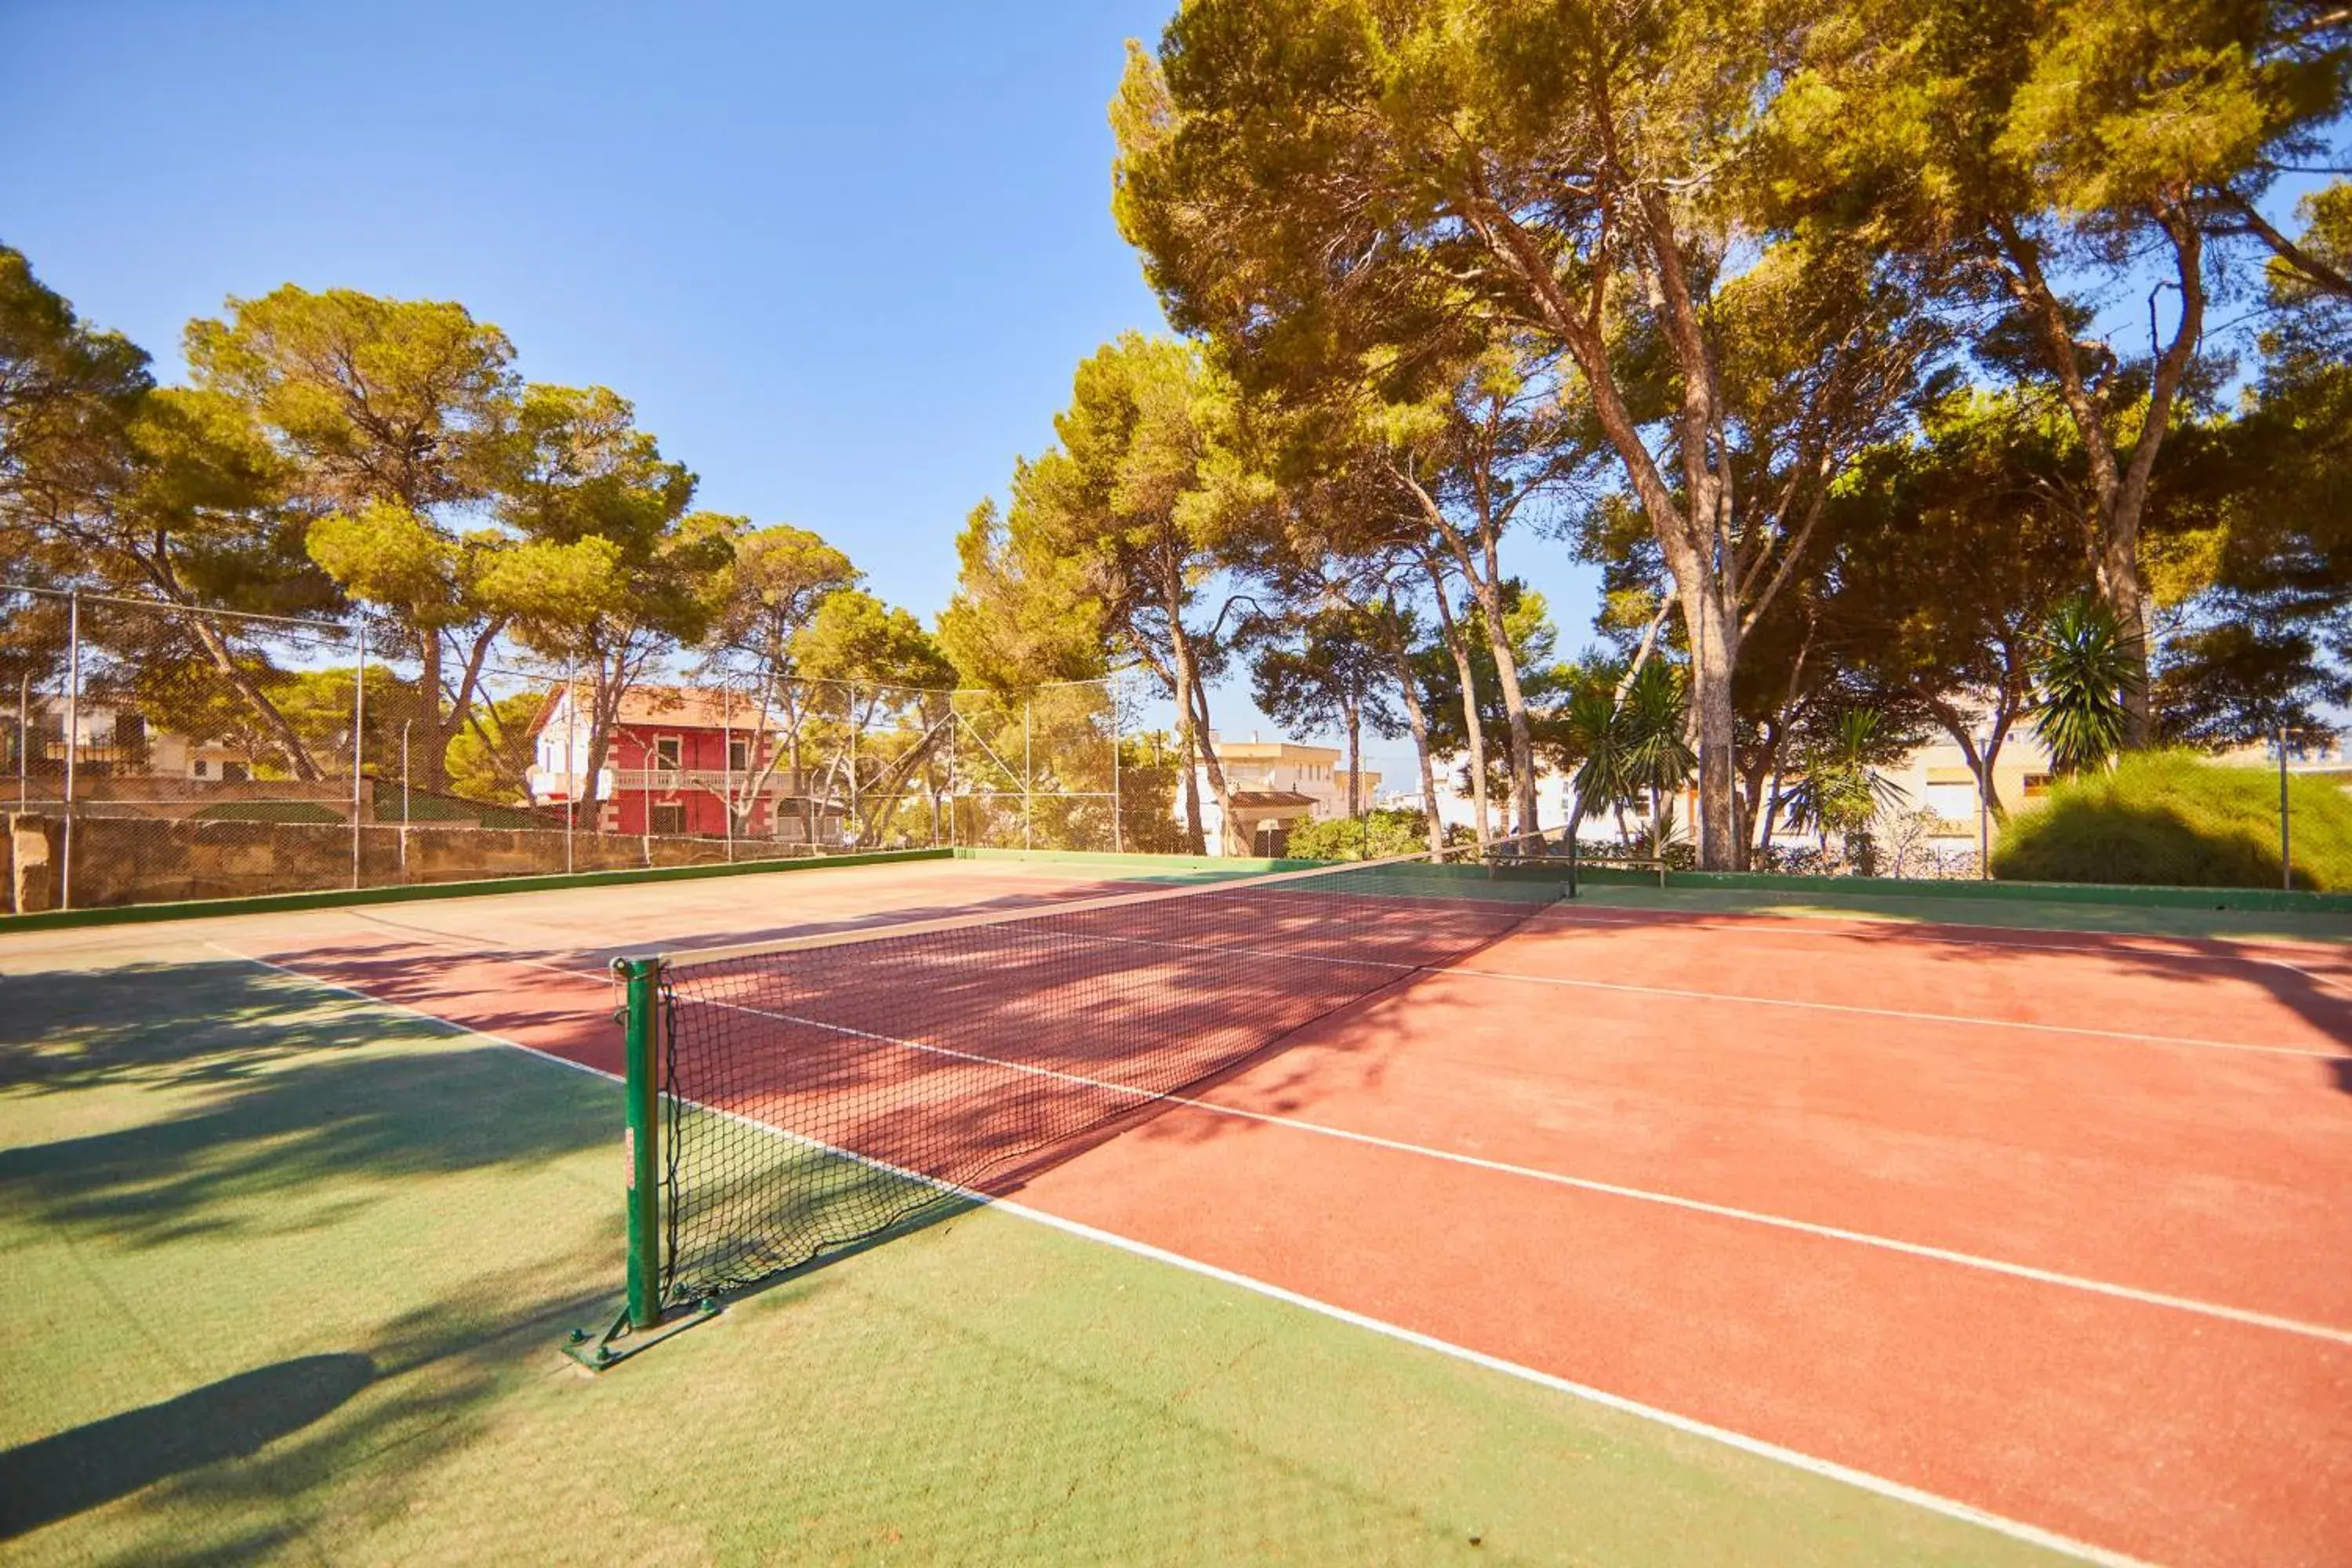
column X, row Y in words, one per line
column 642, row 977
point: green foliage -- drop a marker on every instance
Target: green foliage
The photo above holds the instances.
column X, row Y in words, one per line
column 1426, row 206
column 376, row 399
column 1024, row 613
column 1150, row 775
column 774, row 581
column 317, row 703
column 1533, row 641
column 854, row 636
column 488, row 758
column 1635, row 750
column 2082, row 662
column 68, row 394
column 2171, row 819
column 1837, row 787
column 1375, row 836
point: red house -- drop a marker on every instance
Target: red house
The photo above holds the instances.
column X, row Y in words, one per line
column 678, row 756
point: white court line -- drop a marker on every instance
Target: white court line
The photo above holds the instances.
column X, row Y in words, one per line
column 1730, row 996
column 1828, row 1469
column 1884, row 928
column 1583, row 1183
column 1555, row 1178
column 1967, row 1020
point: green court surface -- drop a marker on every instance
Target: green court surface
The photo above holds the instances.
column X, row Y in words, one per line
column 289, row 1272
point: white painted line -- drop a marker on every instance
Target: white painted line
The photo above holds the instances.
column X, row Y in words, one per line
column 1529, row 1173
column 1903, row 1014
column 1828, row 1469
column 1677, row 993
column 1584, row 1183
column 1729, row 996
column 1884, row 927
column 373, row 1000
column 1861, row 1480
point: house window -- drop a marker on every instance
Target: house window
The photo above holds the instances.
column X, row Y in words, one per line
column 199, row 769
column 666, row 752
column 2036, row 785
column 739, row 755
column 669, row 816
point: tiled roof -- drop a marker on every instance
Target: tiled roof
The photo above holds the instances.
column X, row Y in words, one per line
column 1256, row 799
column 676, row 708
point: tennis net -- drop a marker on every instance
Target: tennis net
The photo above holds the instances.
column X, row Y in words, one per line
column 817, row 1091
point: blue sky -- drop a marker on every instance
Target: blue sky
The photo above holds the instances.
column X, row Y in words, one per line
column 844, row 258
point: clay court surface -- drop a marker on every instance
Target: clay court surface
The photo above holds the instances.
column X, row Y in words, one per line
column 1667, row 1227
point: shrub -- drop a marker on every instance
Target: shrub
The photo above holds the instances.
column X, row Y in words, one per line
column 2173, row 819
column 1383, row 833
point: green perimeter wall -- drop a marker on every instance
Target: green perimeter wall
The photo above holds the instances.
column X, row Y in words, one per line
column 2270, row 900
column 2267, row 900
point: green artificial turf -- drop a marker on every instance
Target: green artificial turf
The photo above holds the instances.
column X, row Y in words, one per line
column 287, row 1274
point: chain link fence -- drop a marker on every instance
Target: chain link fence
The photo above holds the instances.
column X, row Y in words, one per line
column 160, row 752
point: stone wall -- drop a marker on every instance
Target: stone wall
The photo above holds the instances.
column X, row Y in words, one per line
column 120, row 860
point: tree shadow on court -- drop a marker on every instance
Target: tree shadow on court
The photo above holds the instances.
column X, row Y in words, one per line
column 254, row 1463
column 61, row 1475
column 268, row 1094
column 867, row 1102
column 2182, row 962
column 596, row 960
column 161, row 1024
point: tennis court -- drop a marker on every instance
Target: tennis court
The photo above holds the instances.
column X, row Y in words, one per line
column 1650, row 1226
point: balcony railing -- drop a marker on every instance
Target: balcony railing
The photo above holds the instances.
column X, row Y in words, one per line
column 782, row 782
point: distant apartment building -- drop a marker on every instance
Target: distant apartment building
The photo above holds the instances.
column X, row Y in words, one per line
column 1938, row 790
column 112, row 741
column 1272, row 787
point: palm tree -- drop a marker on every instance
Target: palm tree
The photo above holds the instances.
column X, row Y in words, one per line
column 2080, row 671
column 1837, row 789
column 1636, row 750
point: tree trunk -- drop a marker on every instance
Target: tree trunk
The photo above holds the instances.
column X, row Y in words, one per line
column 430, row 770
column 1414, row 717
column 1196, row 833
column 1355, row 723
column 1515, row 708
column 1228, row 835
column 1474, row 732
column 297, row 756
column 2128, row 603
column 1715, row 648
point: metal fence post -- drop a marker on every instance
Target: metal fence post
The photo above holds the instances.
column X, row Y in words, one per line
column 73, row 744
column 1028, row 781
column 358, row 748
column 727, row 765
column 405, row 724
column 1984, row 825
column 1117, row 823
column 570, row 758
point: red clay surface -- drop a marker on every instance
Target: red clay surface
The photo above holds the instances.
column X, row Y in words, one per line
column 2191, row 1169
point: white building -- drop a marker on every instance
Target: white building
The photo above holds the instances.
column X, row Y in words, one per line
column 111, row 741
column 1272, row 786
column 1940, row 793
